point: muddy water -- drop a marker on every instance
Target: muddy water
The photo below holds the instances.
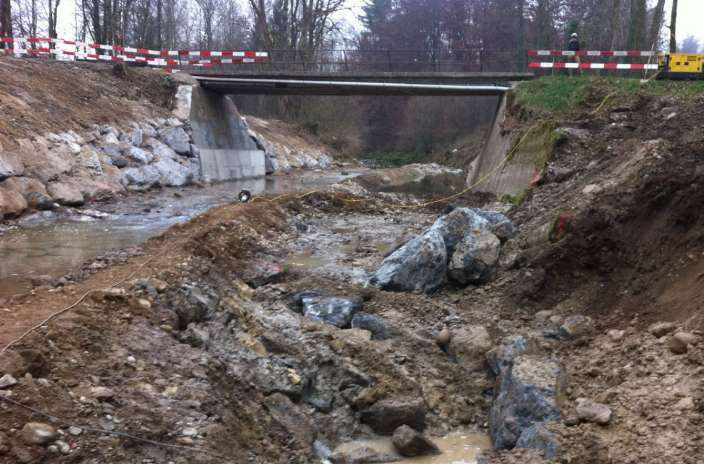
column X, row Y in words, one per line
column 456, row 448
column 54, row 244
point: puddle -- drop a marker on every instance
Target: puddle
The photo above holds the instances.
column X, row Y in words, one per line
column 55, row 245
column 304, row 261
column 456, row 448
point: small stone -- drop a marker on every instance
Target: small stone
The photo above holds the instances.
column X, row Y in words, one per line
column 575, row 326
column 144, row 303
column 410, row 443
column 75, row 431
column 187, row 441
column 660, row 329
column 592, row 189
column 131, row 359
column 189, row 432
column 38, row 433
column 543, row 316
column 7, row 381
column 589, row 411
column 677, row 345
column 616, row 335
column 62, row 446
column 102, row 393
column 685, row 404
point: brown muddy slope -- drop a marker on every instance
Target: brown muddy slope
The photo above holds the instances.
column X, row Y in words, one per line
column 39, row 96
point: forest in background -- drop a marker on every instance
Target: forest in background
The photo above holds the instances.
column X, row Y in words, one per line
column 449, row 34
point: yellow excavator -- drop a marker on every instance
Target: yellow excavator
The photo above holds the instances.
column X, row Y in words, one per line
column 681, row 66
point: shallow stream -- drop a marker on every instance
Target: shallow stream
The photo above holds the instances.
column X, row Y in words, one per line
column 53, row 244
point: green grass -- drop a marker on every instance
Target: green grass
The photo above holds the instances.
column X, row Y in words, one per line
column 559, row 95
column 392, row 159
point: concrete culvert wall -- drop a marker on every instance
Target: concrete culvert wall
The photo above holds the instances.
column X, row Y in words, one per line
column 221, row 135
column 511, row 159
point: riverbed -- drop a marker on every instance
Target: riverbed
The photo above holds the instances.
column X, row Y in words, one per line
column 51, row 244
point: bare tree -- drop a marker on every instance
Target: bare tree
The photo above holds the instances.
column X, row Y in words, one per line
column 673, row 27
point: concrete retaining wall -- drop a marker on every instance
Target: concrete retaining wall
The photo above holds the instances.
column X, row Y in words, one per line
column 515, row 175
column 226, row 150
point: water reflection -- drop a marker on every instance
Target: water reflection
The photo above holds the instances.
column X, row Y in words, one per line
column 47, row 245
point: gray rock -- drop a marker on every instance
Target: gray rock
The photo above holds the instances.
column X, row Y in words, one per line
column 10, row 165
column 144, row 177
column 65, row 193
column 538, row 437
column 387, row 415
column 374, row 324
column 7, row 381
column 576, row 326
column 331, row 310
column 419, row 265
column 526, row 394
column 195, row 152
column 40, row 201
column 660, row 329
column 172, row 173
column 102, row 393
column 474, row 258
column 139, row 155
column 499, row 224
column 38, row 433
column 589, row 411
column 136, row 137
column 410, row 443
column 119, row 162
column 177, row 139
column 195, row 336
column 112, row 150
column 501, row 358
column 454, row 226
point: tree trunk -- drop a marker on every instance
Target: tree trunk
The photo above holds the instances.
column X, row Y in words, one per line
column 158, row 23
column 6, row 20
column 615, row 23
column 673, row 28
column 656, row 25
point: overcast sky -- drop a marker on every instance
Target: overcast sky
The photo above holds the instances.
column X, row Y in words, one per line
column 689, row 21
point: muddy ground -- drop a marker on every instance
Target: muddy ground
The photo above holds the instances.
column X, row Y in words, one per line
column 202, row 350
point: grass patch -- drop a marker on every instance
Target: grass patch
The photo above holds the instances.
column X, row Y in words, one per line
column 393, row 159
column 559, row 95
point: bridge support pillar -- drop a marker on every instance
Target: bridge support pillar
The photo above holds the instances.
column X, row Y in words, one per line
column 227, row 152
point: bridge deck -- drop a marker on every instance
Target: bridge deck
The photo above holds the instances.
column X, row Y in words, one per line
column 310, row 86
column 408, row 77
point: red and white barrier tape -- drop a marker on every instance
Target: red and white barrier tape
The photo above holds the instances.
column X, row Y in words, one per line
column 76, row 50
column 607, row 66
column 606, row 53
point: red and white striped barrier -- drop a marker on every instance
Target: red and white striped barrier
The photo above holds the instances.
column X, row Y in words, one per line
column 607, row 66
column 70, row 50
column 605, row 53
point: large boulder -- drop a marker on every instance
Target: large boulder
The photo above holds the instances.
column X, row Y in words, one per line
column 526, row 395
column 385, row 416
column 331, row 310
column 173, row 173
column 10, row 165
column 499, row 224
column 475, row 257
column 456, row 225
column 411, row 443
column 419, row 265
column 66, row 193
column 140, row 156
column 141, row 178
column 177, row 139
column 12, row 203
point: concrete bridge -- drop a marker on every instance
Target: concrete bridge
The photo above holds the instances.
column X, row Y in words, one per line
column 378, row 83
column 229, row 151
